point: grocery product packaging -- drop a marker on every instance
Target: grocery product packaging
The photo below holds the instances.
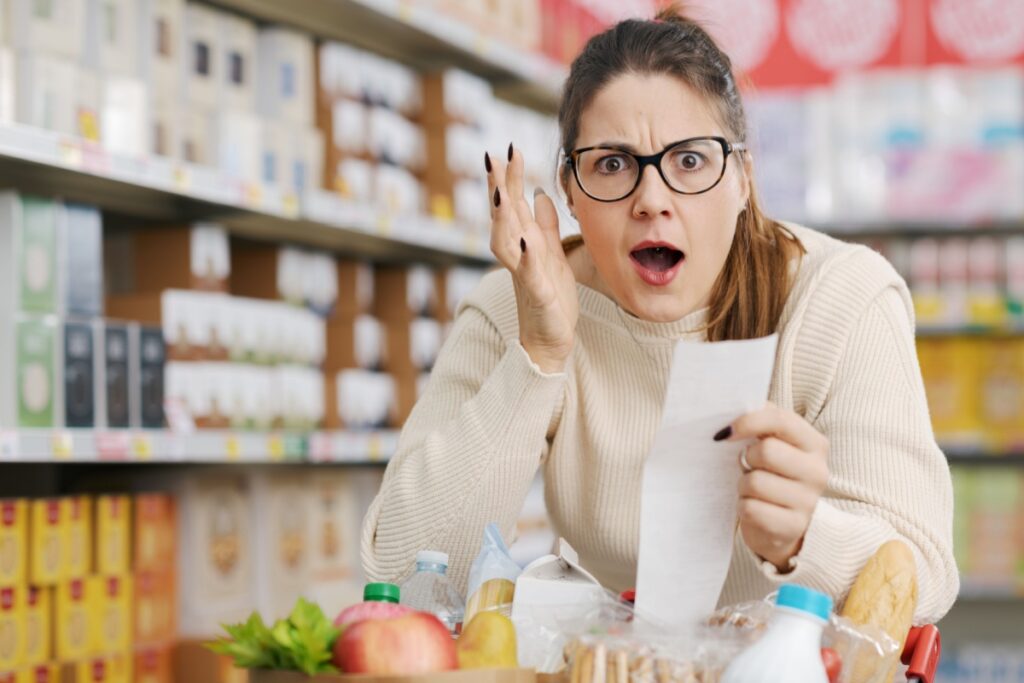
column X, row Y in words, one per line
column 14, row 542
column 492, row 578
column 48, row 542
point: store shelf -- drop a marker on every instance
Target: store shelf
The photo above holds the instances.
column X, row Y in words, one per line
column 875, row 229
column 980, row 457
column 419, row 35
column 35, row 160
column 938, row 331
column 213, row 446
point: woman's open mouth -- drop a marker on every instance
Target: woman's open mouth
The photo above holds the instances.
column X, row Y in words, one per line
column 656, row 263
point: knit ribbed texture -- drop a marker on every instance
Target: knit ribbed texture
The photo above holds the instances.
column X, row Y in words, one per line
column 490, row 418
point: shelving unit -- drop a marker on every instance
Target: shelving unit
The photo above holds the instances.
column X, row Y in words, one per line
column 880, row 229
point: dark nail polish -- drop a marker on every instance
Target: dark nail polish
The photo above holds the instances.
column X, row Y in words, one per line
column 522, row 244
column 497, row 197
column 510, row 151
column 487, row 162
column 724, row 434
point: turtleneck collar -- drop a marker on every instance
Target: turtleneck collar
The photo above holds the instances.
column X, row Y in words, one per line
column 597, row 306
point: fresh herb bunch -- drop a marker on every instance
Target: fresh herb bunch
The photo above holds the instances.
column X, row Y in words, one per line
column 302, row 642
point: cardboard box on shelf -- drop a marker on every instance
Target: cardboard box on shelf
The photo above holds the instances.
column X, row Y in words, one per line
column 405, row 292
column 73, row 620
column 203, row 63
column 112, row 43
column 100, row 669
column 182, row 257
column 285, row 84
column 197, row 137
column 155, row 530
column 335, row 576
column 48, row 542
column 39, row 673
column 112, row 613
column 949, row 367
column 162, row 49
column 78, row 528
column 150, row 359
column 238, row 82
column 1001, row 384
column 52, row 27
column 153, row 664
column 354, row 343
column 113, row 535
column 355, row 288
column 116, row 407
column 14, row 541
column 81, row 241
column 265, row 271
column 216, row 557
column 12, row 627
column 125, row 116
column 280, row 510
column 164, row 130
column 79, row 372
column 38, row 621
column 32, row 358
column 29, row 253
column 236, row 138
column 155, row 606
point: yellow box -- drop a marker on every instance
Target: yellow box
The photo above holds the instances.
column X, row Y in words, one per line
column 13, row 542
column 153, row 665
column 73, row 620
column 155, row 532
column 12, row 629
column 40, row 673
column 78, row 530
column 112, row 613
column 113, row 540
column 111, row 669
column 48, row 551
column 949, row 367
column 38, row 620
column 155, row 606
column 1001, row 384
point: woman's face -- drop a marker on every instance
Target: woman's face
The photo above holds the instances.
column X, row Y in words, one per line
column 657, row 252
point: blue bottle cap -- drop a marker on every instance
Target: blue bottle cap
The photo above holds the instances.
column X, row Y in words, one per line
column 804, row 599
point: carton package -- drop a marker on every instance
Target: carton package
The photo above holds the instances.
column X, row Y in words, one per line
column 950, row 368
column 29, row 254
column 125, row 116
column 74, row 619
column 356, row 284
column 112, row 607
column 182, row 257
column 354, row 343
column 79, row 372
column 115, row 668
column 153, row 664
column 1001, row 391
column 155, row 605
column 236, row 140
column 116, row 408
column 238, row 45
column 57, row 94
column 154, row 532
column 29, row 350
column 412, row 346
column 334, row 541
column 40, row 673
column 405, row 292
column 12, row 627
column 280, row 510
column 150, row 359
column 204, row 62
column 196, row 136
column 265, row 271
column 81, row 242
column 113, row 535
column 162, row 49
column 52, row 27
column 187, row 320
column 362, row 399
column 48, row 542
column 14, row 542
column 111, row 43
column 38, row 626
column 216, row 560
column 285, row 84
column 78, row 527
column 164, row 130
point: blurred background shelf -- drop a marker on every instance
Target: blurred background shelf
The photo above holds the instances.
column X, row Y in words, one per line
column 896, row 227
column 981, row 457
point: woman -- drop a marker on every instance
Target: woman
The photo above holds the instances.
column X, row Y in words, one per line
column 560, row 360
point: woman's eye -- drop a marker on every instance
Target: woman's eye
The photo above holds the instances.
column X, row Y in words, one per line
column 611, row 164
column 689, row 161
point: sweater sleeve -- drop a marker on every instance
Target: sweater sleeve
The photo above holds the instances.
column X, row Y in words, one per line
column 889, row 479
column 467, row 454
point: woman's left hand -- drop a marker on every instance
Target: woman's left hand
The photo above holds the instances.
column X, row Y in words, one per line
column 785, row 473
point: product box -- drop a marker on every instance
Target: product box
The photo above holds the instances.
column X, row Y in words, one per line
column 78, row 369
column 57, row 94
column 238, row 44
column 285, row 83
column 155, row 606
column 116, row 408
column 112, row 43
column 204, row 57
column 103, row 669
column 216, row 557
column 78, row 541
column 196, row 135
column 192, row 661
column 335, row 530
column 28, row 254
column 112, row 608
column 412, row 346
column 236, row 139
column 40, row 673
column 362, row 399
column 153, row 665
column 32, row 359
column 403, row 293
column 265, row 271
column 149, row 357
column 82, row 246
column 355, row 288
column 113, row 535
column 164, row 130
column 73, row 619
column 162, row 48
column 14, row 542
column 182, row 257
column 1001, row 383
column 186, row 319
column 12, row 628
column 38, row 626
column 950, row 368
column 51, row 27
column 49, row 554
column 155, row 529
column 280, row 512
column 125, row 116
column 355, row 343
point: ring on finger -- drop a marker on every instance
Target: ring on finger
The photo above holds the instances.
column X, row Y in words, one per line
column 743, row 460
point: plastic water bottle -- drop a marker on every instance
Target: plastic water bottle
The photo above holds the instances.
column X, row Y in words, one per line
column 429, row 590
column 790, row 649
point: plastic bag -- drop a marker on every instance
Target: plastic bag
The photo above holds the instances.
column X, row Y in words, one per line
column 492, row 578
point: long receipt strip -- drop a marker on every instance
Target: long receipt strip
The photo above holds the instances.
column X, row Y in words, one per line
column 688, row 509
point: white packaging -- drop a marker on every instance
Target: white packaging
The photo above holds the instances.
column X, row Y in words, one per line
column 55, row 27
column 209, row 251
column 45, row 94
column 471, row 203
column 203, row 63
column 285, row 81
column 321, row 282
column 349, row 125
column 953, row 262
column 466, row 96
column 237, row 139
column 336, row 521
column 341, row 74
column 197, row 137
column 125, row 116
column 421, row 289
column 291, row 274
column 280, row 513
column 112, row 42
column 354, row 180
column 238, row 77
column 460, row 281
column 274, row 152
column 162, row 49
column 365, row 399
column 8, row 85
column 394, row 139
column 397, row 190
column 369, row 341
column 424, row 342
column 304, row 164
column 164, row 130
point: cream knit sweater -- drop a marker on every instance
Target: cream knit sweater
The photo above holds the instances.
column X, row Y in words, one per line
column 490, row 418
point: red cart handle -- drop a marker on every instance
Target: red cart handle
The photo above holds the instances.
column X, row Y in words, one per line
column 921, row 653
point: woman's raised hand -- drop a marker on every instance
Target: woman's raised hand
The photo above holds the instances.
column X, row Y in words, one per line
column 529, row 245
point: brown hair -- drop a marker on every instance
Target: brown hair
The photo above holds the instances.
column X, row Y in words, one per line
column 748, row 297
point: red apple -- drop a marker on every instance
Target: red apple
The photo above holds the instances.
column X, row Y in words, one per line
column 370, row 610
column 415, row 643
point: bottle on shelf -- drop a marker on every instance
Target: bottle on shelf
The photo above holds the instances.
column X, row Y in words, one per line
column 429, row 590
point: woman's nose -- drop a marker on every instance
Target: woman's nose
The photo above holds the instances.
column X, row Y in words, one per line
column 652, row 197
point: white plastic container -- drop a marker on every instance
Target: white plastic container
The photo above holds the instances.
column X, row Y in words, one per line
column 790, row 650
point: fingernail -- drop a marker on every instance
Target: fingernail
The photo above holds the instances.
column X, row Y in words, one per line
column 497, row 197
column 724, row 434
column 487, row 162
column 510, row 151
column 522, row 244
column 537, row 192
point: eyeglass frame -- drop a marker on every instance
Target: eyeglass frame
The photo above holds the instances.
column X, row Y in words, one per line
column 644, row 161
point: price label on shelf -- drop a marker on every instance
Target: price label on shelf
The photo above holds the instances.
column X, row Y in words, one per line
column 142, row 447
column 290, row 205
column 384, row 224
column 374, row 448
column 111, row 446
column 471, row 243
column 69, row 153
column 233, row 448
column 62, row 445
column 252, row 195
column 320, row 447
column 182, row 178
column 275, row 447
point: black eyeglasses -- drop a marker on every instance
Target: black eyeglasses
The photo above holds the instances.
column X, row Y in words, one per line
column 691, row 166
